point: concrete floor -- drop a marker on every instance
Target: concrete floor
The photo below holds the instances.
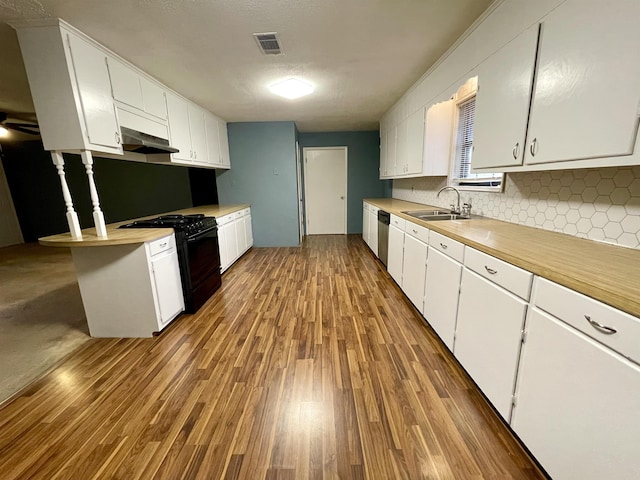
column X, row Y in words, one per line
column 41, row 314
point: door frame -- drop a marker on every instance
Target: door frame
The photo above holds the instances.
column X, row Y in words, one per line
column 301, row 225
column 346, row 182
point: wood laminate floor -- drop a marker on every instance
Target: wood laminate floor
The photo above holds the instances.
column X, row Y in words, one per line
column 308, row 363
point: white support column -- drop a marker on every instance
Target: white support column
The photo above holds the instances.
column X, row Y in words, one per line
column 98, row 217
column 72, row 216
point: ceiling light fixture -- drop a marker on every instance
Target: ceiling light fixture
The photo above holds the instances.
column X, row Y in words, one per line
column 3, row 131
column 291, row 88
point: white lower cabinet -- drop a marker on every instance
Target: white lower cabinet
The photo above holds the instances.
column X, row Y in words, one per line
column 235, row 236
column 414, row 268
column 442, row 287
column 578, row 404
column 373, row 229
column 365, row 223
column 129, row 290
column 488, row 337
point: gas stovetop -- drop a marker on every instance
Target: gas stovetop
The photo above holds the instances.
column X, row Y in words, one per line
column 189, row 224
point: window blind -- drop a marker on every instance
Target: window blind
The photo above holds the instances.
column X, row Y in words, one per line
column 464, row 150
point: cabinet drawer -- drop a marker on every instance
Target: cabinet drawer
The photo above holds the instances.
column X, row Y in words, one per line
column 618, row 330
column 365, row 206
column 446, row 245
column 162, row 245
column 225, row 219
column 398, row 222
column 246, row 212
column 238, row 214
column 514, row 279
column 420, row 232
column 373, row 209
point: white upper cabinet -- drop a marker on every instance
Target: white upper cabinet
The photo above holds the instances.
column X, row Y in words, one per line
column 225, row 158
column 390, row 167
column 437, row 138
column 178, row 112
column 415, row 142
column 213, row 138
column 587, row 91
column 505, row 81
column 95, row 92
column 198, row 135
column 153, row 97
column 94, row 88
column 125, row 84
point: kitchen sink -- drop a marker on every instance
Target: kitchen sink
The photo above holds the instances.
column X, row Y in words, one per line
column 435, row 215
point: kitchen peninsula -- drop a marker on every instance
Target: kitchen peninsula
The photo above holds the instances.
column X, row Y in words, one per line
column 132, row 281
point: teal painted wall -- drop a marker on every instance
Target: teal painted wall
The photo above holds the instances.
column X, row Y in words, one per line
column 263, row 173
column 126, row 189
column 363, row 165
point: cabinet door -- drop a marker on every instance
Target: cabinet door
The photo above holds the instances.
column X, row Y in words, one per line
column 223, row 138
column 415, row 142
column 248, row 230
column 178, row 114
column 365, row 224
column 437, row 138
column 383, row 153
column 392, row 134
column 241, row 238
column 441, row 291
column 94, row 88
column 166, row 275
column 213, row 142
column 373, row 231
column 587, row 91
column 488, row 338
column 153, row 97
column 395, row 254
column 401, row 148
column 505, row 81
column 125, row 84
column 223, row 242
column 232, row 241
column 577, row 406
column 198, row 134
column 414, row 268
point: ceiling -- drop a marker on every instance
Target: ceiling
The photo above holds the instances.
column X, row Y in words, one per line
column 361, row 55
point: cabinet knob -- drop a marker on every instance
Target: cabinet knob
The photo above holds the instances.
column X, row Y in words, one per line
column 533, row 148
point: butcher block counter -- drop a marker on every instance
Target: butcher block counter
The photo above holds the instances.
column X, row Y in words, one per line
column 605, row 272
column 126, row 236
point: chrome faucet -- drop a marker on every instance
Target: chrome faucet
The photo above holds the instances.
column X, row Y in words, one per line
column 455, row 208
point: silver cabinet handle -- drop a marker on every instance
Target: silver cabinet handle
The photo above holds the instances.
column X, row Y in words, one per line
column 163, row 244
column 190, row 153
column 601, row 328
column 533, row 148
column 444, row 245
column 490, row 270
column 118, row 137
column 516, row 150
column 414, row 231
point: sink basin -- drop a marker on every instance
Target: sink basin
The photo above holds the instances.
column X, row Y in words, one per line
column 435, row 215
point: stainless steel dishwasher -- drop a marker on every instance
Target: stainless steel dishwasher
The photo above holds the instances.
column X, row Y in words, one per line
column 384, row 218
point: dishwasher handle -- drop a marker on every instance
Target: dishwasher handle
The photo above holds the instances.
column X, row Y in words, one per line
column 384, row 217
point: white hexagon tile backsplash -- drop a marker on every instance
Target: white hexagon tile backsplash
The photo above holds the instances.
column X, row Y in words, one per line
column 599, row 204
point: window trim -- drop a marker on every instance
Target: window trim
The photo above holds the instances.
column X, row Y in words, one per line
column 465, row 94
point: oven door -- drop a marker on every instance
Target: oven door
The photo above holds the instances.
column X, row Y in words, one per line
column 203, row 258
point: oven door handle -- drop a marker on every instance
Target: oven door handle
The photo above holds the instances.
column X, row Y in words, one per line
column 213, row 232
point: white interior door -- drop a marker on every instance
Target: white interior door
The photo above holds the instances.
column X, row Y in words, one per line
column 325, row 186
column 300, row 203
column 10, row 233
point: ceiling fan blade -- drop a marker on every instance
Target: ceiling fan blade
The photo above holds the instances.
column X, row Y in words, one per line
column 24, row 128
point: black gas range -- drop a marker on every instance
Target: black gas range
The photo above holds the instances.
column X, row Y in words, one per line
column 198, row 254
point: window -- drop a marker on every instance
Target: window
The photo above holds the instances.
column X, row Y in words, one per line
column 462, row 177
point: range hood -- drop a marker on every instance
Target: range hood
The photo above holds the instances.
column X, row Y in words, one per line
column 139, row 142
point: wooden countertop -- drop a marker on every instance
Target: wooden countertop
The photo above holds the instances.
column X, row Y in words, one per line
column 116, row 236
column 605, row 272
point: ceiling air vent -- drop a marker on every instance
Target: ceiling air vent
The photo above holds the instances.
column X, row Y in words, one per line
column 269, row 43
